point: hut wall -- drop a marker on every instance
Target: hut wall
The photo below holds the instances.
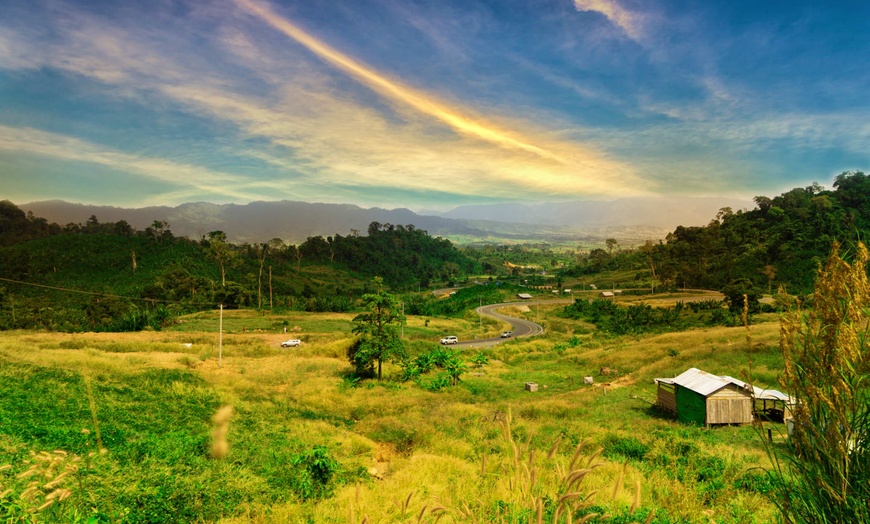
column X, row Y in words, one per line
column 729, row 405
column 691, row 406
column 667, row 398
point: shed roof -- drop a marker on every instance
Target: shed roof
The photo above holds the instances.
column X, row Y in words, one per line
column 702, row 382
column 706, row 384
column 762, row 394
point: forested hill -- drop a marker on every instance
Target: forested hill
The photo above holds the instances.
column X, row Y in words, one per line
column 159, row 275
column 780, row 242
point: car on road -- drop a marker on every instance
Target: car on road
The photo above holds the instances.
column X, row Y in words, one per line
column 292, row 343
column 449, row 340
column 507, row 334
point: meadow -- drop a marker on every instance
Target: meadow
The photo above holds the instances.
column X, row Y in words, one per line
column 131, row 419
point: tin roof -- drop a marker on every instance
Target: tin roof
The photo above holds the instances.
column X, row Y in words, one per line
column 761, row 394
column 706, row 384
column 702, row 382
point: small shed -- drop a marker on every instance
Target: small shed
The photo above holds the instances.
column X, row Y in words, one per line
column 703, row 398
column 606, row 294
column 524, row 296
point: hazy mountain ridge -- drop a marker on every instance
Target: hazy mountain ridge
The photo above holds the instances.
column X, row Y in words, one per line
column 630, row 219
column 655, row 212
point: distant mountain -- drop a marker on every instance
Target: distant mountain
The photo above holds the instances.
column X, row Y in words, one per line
column 629, row 220
column 655, row 212
column 254, row 222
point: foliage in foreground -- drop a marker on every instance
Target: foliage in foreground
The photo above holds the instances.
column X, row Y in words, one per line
column 824, row 475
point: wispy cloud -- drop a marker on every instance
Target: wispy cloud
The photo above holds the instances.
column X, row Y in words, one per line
column 321, row 137
column 458, row 120
column 181, row 178
column 631, row 23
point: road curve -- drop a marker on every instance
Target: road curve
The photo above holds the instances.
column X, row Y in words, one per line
column 520, row 327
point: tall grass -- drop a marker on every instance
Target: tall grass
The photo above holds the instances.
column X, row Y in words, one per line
column 823, row 475
column 293, row 411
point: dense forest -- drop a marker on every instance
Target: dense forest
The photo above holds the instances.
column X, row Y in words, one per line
column 109, row 276
column 779, row 243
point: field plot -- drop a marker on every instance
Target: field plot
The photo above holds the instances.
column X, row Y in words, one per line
column 303, row 441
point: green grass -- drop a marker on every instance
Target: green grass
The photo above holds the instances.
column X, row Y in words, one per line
column 154, row 398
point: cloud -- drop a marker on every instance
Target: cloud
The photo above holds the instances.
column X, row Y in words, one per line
column 631, row 23
column 312, row 132
column 181, row 178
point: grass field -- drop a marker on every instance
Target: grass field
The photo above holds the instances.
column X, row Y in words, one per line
column 307, row 443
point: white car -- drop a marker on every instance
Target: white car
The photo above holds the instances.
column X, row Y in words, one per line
column 292, row 343
column 507, row 334
column 449, row 340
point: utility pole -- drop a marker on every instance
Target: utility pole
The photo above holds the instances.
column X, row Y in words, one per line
column 479, row 315
column 221, row 337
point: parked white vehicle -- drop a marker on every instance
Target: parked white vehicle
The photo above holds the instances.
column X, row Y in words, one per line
column 292, row 343
column 449, row 340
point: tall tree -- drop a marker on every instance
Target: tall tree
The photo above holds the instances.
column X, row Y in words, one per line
column 223, row 253
column 378, row 328
column 262, row 250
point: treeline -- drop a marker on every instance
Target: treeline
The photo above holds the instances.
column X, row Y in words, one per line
column 128, row 279
column 779, row 243
column 404, row 256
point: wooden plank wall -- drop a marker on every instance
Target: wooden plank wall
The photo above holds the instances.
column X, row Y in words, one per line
column 733, row 410
column 667, row 399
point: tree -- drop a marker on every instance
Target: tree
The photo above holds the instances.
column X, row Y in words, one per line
column 611, row 244
column 223, row 253
column 378, row 328
column 827, row 368
column 262, row 250
column 158, row 229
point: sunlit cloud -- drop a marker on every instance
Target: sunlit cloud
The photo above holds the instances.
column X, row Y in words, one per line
column 460, row 120
column 321, row 137
column 630, row 22
column 243, row 102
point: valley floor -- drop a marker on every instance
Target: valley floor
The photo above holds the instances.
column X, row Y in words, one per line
column 307, row 442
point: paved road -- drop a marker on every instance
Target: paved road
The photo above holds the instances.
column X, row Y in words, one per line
column 520, row 327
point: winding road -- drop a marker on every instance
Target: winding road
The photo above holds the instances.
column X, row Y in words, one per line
column 521, row 327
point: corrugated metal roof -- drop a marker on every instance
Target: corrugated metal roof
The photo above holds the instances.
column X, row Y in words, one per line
column 701, row 382
column 761, row 394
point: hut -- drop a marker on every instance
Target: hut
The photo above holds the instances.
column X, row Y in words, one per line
column 703, row 398
column 606, row 294
column 524, row 296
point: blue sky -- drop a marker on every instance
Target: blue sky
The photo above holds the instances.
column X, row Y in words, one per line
column 430, row 103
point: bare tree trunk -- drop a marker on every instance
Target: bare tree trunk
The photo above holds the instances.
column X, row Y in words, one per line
column 133, row 252
column 261, row 256
column 260, row 287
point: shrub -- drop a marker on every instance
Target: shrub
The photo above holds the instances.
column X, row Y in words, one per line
column 316, row 469
column 624, row 447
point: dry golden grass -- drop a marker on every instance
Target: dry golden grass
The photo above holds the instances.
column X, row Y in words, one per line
column 432, row 445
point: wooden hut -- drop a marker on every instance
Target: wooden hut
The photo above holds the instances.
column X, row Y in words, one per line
column 703, row 398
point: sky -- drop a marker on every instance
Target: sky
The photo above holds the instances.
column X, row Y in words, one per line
column 428, row 103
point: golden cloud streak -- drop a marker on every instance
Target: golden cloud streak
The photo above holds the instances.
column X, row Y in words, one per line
column 392, row 89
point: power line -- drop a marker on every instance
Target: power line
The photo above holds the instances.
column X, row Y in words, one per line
column 92, row 293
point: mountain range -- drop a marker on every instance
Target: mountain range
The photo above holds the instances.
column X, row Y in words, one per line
column 628, row 220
